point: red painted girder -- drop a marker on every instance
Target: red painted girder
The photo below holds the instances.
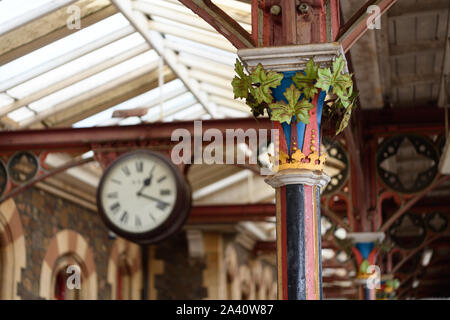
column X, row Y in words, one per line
column 222, row 22
column 437, row 182
column 208, row 214
column 355, row 28
column 63, row 139
column 397, row 120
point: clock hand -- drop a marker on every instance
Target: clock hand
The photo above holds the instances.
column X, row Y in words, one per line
column 147, row 181
column 152, row 198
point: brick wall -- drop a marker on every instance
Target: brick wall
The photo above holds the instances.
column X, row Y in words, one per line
column 43, row 215
column 182, row 277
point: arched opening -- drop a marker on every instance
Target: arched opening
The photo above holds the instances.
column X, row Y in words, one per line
column 68, row 268
column 68, row 278
column 125, row 270
column 12, row 250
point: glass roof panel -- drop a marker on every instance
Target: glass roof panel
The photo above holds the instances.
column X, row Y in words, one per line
column 63, row 46
column 5, row 100
column 21, row 114
column 11, row 9
column 78, row 65
column 138, row 101
column 94, row 81
column 197, row 48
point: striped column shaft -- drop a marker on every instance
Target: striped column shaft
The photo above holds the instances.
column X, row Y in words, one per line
column 298, row 242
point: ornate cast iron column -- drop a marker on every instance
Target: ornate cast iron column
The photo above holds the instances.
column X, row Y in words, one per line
column 299, row 177
column 365, row 251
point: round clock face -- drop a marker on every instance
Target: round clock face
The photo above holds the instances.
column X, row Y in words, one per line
column 141, row 195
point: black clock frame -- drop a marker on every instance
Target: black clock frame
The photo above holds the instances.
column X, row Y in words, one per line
column 177, row 216
column 5, row 174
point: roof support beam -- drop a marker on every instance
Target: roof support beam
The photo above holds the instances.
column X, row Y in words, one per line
column 222, row 22
column 86, row 73
column 204, row 214
column 412, row 80
column 439, row 180
column 89, row 94
column 156, row 41
column 204, row 37
column 65, row 139
column 357, row 24
column 54, row 35
column 425, row 46
column 62, row 59
column 106, row 100
column 32, row 15
column 419, row 10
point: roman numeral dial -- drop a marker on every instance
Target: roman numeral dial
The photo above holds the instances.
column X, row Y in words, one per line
column 138, row 193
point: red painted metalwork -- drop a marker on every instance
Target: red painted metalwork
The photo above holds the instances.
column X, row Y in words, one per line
column 222, row 22
column 378, row 217
column 357, row 25
column 375, row 123
column 81, row 139
column 380, row 123
column 40, row 176
column 358, row 256
column 207, row 214
column 439, row 180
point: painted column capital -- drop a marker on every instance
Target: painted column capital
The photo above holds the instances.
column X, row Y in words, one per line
column 366, row 237
column 291, row 58
column 298, row 176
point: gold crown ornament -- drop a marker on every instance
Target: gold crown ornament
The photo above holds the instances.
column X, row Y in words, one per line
column 298, row 160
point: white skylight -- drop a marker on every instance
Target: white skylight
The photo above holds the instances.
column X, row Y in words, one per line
column 62, row 47
column 83, row 63
column 11, row 9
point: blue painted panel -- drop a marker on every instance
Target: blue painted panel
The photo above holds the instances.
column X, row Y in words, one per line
column 365, row 248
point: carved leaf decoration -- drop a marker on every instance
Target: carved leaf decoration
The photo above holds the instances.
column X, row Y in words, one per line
column 241, row 83
column 282, row 112
column 342, row 124
column 336, row 80
column 257, row 108
column 306, row 80
column 263, row 81
column 363, row 267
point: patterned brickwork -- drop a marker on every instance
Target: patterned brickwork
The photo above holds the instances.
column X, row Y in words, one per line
column 182, row 277
column 43, row 216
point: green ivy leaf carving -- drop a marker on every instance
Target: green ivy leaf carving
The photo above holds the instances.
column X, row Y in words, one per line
column 305, row 80
column 342, row 124
column 338, row 81
column 264, row 81
column 241, row 83
column 283, row 112
column 257, row 108
column 363, row 267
